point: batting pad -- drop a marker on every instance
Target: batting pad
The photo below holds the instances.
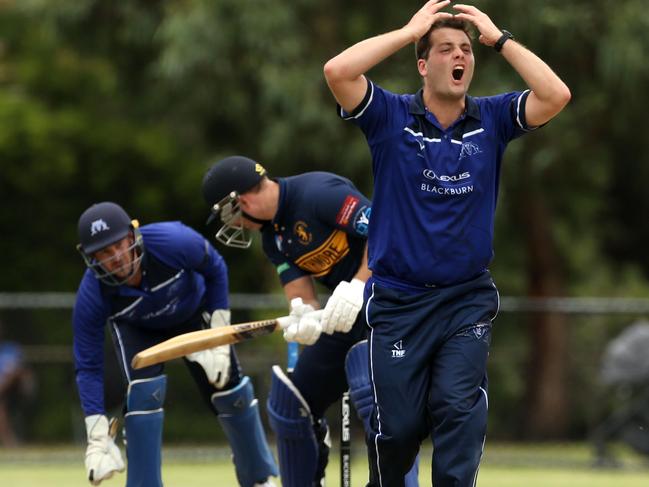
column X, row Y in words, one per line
column 290, row 417
column 143, row 422
column 239, row 416
column 358, row 379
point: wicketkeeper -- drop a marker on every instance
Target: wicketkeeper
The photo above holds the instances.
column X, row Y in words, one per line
column 149, row 284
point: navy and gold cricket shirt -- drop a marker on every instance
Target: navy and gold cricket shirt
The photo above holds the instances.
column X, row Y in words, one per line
column 319, row 230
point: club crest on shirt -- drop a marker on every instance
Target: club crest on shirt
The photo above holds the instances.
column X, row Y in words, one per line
column 469, row 149
column 304, row 236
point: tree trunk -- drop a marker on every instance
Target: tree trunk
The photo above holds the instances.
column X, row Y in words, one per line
column 547, row 403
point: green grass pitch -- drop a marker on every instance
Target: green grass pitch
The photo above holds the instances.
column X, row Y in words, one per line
column 503, row 466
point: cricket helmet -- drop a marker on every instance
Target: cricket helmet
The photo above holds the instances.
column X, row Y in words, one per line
column 222, row 185
column 104, row 224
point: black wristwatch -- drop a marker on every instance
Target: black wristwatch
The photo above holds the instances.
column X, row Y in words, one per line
column 503, row 38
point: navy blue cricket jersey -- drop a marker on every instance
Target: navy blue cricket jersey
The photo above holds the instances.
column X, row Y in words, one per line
column 435, row 190
column 319, row 230
column 181, row 272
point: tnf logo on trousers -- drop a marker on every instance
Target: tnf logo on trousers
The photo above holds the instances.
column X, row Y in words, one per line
column 398, row 351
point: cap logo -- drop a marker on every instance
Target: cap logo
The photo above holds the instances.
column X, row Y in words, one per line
column 260, row 169
column 98, row 226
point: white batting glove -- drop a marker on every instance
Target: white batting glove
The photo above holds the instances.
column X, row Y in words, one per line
column 303, row 325
column 215, row 361
column 343, row 306
column 103, row 458
column 299, row 308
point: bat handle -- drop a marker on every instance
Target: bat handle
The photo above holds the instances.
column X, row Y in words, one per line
column 293, row 349
column 292, row 352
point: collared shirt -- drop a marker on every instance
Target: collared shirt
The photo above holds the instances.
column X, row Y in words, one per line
column 435, row 189
column 181, row 272
column 319, row 230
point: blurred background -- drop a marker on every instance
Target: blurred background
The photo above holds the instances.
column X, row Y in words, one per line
column 132, row 100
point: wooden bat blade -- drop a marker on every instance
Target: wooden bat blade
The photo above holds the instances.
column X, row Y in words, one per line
column 196, row 341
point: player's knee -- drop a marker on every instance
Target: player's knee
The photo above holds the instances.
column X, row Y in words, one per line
column 409, row 431
column 146, row 394
column 455, row 410
column 289, row 413
column 233, row 401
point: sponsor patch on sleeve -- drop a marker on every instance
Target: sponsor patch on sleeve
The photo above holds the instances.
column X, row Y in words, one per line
column 347, row 210
column 362, row 220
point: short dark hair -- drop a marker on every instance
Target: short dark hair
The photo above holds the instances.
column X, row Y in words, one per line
column 423, row 46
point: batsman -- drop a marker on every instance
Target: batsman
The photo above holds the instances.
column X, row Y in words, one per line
column 313, row 227
column 147, row 285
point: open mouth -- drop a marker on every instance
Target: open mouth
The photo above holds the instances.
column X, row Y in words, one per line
column 457, row 73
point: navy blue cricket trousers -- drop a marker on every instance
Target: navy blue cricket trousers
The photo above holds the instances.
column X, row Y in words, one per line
column 428, row 359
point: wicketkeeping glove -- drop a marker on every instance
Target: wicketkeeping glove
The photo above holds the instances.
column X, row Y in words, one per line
column 343, row 307
column 103, row 458
column 215, row 361
column 303, row 325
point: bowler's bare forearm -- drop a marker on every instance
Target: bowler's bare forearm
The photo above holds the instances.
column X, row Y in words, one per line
column 344, row 73
column 549, row 93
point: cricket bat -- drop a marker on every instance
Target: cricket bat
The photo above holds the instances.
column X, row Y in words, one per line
column 196, row 341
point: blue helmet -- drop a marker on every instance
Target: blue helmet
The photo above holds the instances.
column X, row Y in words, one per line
column 102, row 225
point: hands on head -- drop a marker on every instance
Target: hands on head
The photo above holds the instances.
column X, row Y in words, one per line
column 431, row 12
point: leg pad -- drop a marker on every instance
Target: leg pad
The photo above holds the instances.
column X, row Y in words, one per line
column 291, row 420
column 239, row 416
column 143, row 425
